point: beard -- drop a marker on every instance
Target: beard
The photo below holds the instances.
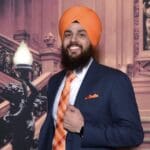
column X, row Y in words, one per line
column 78, row 62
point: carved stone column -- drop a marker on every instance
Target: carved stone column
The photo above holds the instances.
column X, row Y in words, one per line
column 50, row 56
column 22, row 16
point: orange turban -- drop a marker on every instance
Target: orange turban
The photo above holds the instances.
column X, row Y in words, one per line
column 88, row 20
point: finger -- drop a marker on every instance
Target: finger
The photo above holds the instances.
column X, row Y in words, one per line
column 67, row 116
column 66, row 125
column 68, row 113
column 71, row 108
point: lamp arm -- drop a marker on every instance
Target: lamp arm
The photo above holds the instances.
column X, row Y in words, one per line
column 33, row 89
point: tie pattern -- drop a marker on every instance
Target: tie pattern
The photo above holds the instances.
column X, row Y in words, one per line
column 60, row 133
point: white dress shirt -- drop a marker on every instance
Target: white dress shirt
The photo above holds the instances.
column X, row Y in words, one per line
column 75, row 85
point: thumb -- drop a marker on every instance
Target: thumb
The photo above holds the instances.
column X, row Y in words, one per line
column 71, row 108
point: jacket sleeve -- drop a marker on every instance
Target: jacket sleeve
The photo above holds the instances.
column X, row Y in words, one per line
column 125, row 129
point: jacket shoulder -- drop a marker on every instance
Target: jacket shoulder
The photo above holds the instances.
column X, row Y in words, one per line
column 57, row 76
column 111, row 72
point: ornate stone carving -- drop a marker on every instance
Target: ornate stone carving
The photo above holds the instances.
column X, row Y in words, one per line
column 141, row 66
column 144, row 68
column 6, row 64
column 50, row 40
column 21, row 35
column 36, row 70
column 136, row 28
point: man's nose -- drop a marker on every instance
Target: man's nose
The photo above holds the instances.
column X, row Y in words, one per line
column 74, row 38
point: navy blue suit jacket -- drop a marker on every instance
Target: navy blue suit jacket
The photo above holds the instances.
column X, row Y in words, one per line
column 111, row 120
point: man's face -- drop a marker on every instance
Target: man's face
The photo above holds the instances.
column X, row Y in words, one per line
column 75, row 40
column 76, row 47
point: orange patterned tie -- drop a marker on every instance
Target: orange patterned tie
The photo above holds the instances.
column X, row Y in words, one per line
column 60, row 132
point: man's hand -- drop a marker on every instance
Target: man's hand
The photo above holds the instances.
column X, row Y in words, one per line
column 73, row 119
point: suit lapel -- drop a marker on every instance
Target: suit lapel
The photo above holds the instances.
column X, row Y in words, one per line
column 88, row 81
column 56, row 85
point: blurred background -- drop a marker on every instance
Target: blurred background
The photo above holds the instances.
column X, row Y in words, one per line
column 125, row 45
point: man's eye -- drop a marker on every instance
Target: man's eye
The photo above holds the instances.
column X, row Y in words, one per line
column 67, row 34
column 82, row 35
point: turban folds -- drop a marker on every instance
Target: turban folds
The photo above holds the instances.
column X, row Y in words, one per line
column 88, row 20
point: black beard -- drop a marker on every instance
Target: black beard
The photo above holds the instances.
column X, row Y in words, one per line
column 76, row 63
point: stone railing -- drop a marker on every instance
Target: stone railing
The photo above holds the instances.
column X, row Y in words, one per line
column 15, row 104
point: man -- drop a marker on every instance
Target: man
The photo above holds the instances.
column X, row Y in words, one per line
column 100, row 111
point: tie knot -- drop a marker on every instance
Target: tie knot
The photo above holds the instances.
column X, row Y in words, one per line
column 70, row 76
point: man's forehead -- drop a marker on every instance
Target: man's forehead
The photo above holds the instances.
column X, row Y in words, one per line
column 75, row 26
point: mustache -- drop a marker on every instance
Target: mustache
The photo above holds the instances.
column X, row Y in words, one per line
column 74, row 44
